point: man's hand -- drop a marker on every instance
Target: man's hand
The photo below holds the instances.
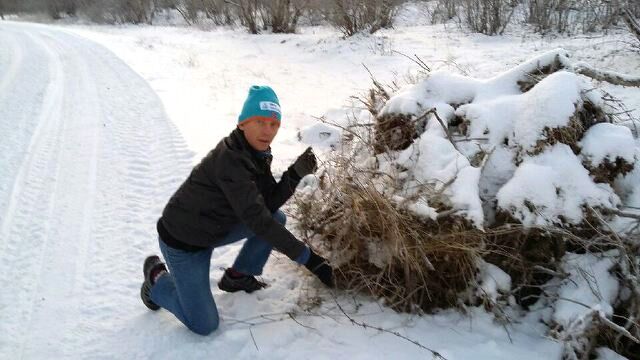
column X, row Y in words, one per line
column 306, row 163
column 319, row 267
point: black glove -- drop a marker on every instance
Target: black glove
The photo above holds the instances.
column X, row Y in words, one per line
column 306, row 163
column 319, row 267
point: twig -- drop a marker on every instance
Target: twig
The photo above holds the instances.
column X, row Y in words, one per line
column 254, row 340
column 444, row 126
column 608, row 76
column 501, row 315
column 472, row 139
column 377, row 84
column 622, row 214
column 444, row 214
column 418, row 61
column 549, row 271
column 232, row 3
column 299, row 323
column 436, row 355
column 618, row 328
column 344, row 128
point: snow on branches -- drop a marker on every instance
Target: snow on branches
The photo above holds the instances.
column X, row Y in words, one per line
column 525, row 174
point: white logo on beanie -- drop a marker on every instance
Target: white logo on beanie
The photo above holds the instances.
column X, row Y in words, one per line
column 270, row 106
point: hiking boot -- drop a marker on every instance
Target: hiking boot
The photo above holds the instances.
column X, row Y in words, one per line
column 152, row 269
column 233, row 281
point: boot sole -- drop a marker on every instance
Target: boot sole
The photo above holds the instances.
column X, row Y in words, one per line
column 147, row 302
column 222, row 286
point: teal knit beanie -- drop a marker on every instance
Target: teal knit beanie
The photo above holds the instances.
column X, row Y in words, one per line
column 261, row 103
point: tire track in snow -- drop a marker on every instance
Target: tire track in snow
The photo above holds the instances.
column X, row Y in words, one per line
column 151, row 161
column 26, row 223
column 15, row 59
column 71, row 212
column 84, row 203
column 19, row 109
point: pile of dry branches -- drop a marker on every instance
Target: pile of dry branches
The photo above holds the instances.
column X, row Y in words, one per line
column 382, row 242
column 384, row 250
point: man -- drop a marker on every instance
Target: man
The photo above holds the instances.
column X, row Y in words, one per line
column 229, row 196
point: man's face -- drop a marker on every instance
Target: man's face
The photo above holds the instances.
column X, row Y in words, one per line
column 260, row 132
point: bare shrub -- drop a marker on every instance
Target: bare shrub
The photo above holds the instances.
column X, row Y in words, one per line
column 136, row 11
column 119, row 11
column 248, row 11
column 189, row 10
column 314, row 12
column 3, row 9
column 488, row 16
column 282, row 15
column 58, row 8
column 218, row 11
column 378, row 246
column 445, row 10
column 353, row 16
column 571, row 16
column 104, row 12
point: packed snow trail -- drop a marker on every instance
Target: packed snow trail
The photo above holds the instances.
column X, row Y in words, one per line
column 88, row 158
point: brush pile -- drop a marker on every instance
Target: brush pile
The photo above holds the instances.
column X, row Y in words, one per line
column 520, row 191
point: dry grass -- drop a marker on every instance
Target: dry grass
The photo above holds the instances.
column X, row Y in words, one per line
column 608, row 171
column 394, row 132
column 585, row 117
column 387, row 252
column 569, row 135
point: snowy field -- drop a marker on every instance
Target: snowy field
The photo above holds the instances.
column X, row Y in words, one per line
column 110, row 121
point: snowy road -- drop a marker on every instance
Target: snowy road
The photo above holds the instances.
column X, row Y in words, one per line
column 87, row 160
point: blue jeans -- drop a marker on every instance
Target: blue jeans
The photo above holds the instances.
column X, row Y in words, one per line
column 186, row 292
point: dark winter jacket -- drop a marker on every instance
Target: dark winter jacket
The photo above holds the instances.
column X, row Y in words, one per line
column 233, row 184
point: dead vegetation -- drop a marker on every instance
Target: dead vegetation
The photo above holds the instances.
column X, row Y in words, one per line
column 418, row 259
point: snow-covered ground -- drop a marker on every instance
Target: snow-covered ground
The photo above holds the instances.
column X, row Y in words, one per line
column 89, row 158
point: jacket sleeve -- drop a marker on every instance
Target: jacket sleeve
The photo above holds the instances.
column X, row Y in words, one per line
column 240, row 189
column 283, row 190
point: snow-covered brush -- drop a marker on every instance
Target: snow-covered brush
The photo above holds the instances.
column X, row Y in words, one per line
column 380, row 248
column 438, row 188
